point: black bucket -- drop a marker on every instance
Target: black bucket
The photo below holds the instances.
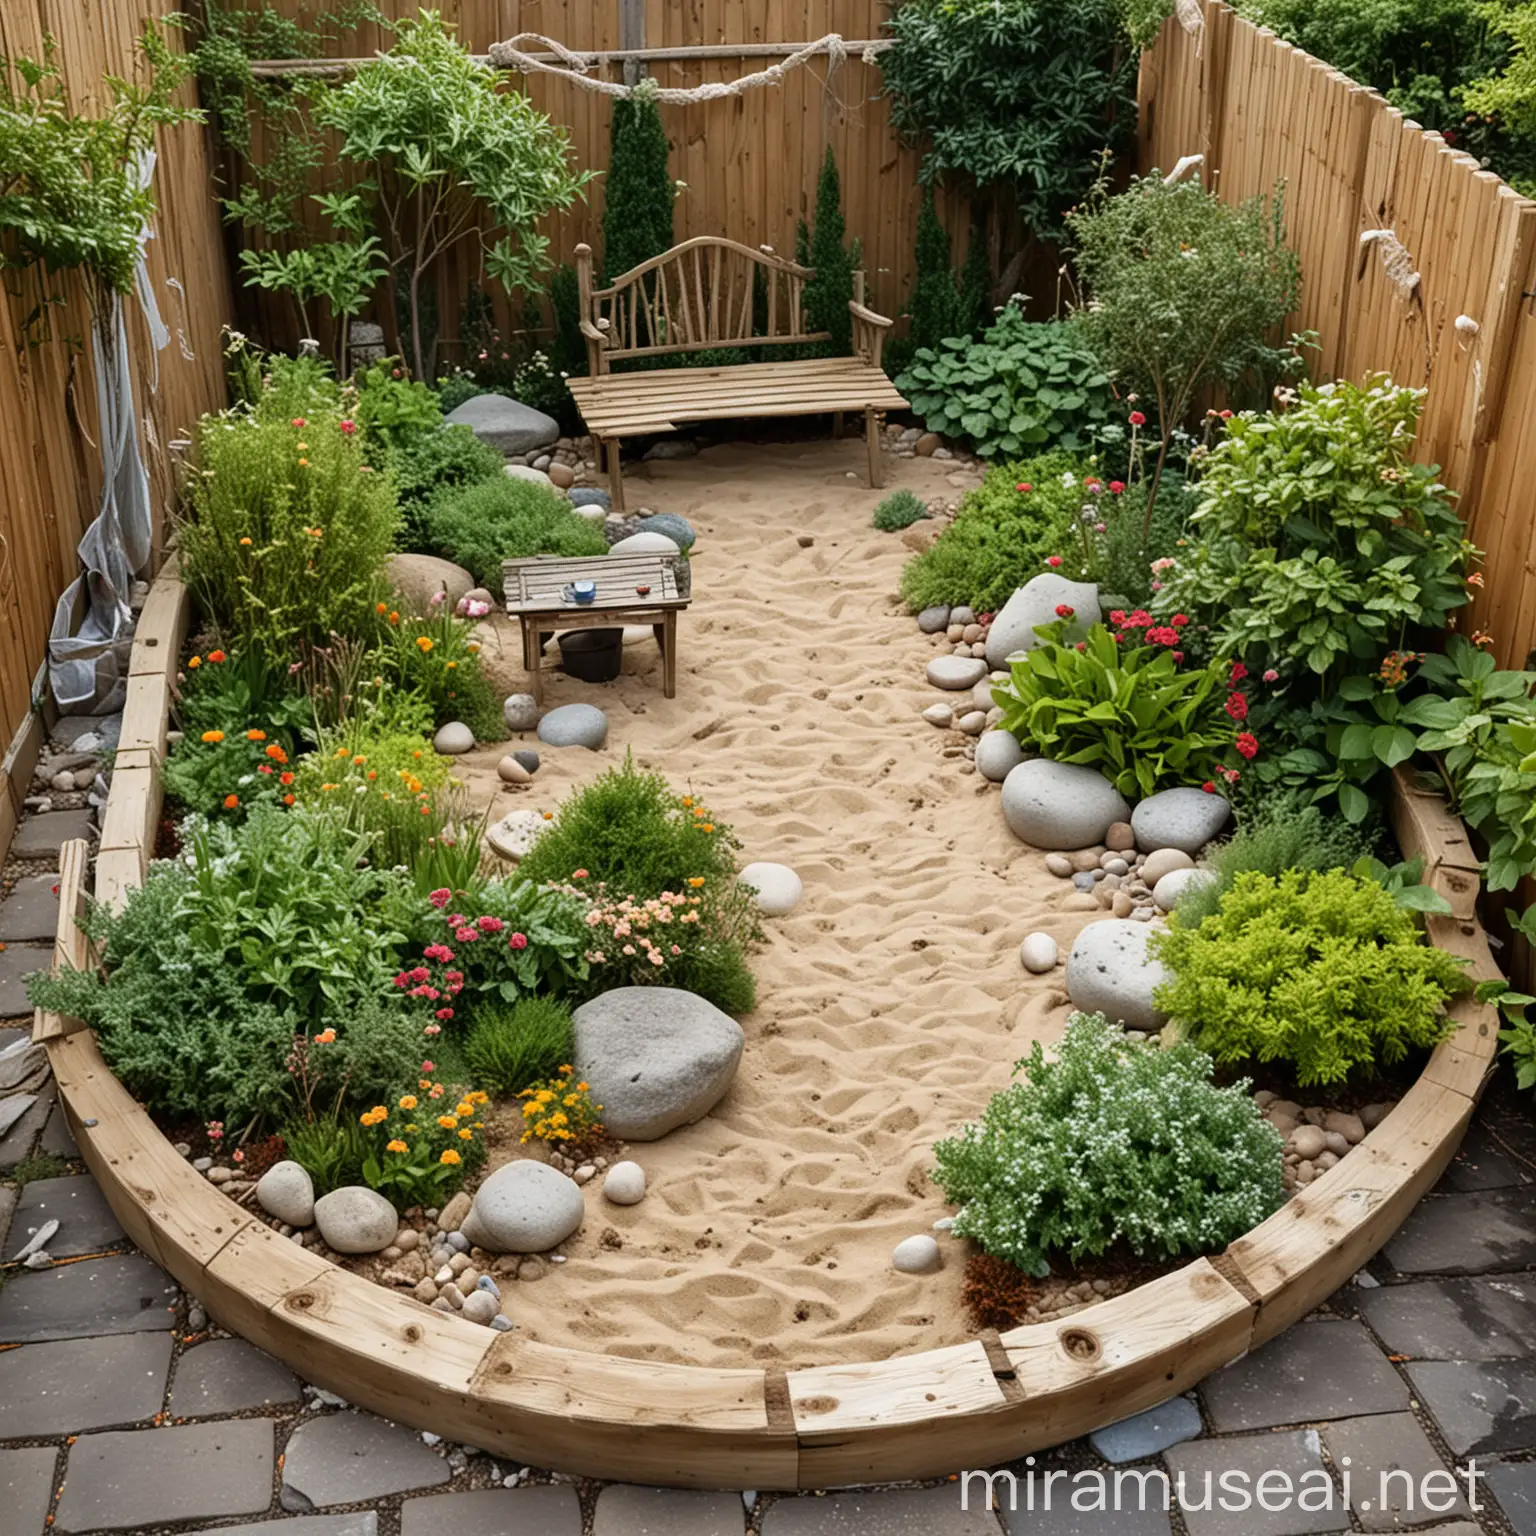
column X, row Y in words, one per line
column 593, row 655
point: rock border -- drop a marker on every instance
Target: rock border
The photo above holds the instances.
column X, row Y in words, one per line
column 973, row 1404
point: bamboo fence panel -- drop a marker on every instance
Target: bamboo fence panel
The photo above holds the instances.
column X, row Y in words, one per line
column 50, row 464
column 1262, row 112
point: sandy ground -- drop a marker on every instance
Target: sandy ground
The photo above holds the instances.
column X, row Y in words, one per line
column 892, row 1001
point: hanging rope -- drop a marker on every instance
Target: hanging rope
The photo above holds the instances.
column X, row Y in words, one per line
column 575, row 67
column 1396, row 259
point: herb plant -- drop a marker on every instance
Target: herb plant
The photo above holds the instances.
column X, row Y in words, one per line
column 899, row 510
column 512, row 1046
column 1113, row 1142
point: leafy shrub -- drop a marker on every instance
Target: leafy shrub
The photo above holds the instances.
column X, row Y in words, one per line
column 289, row 528
column 1006, row 528
column 1025, row 385
column 228, row 774
column 330, row 1150
column 507, row 519
column 434, row 657
column 899, row 510
column 1319, row 541
column 637, row 191
column 1128, row 709
column 1320, row 970
column 510, row 1047
column 1115, row 1141
column 1027, row 95
column 438, row 465
column 420, row 1147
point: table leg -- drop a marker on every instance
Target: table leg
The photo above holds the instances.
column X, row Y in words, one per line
column 615, row 474
column 872, row 438
column 669, row 655
column 533, row 650
column 837, row 424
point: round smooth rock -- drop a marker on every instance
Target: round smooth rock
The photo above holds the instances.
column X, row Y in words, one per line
column 956, row 672
column 524, row 1207
column 355, row 1219
column 778, row 888
column 454, row 739
column 1172, row 886
column 933, row 621
column 962, row 615
column 574, row 725
column 420, row 578
column 1111, row 972
column 507, row 425
column 1038, row 953
column 591, row 496
column 624, row 1184
column 514, row 834
column 528, row 758
column 1121, row 837
column 670, row 526
column 531, row 475
column 521, row 711
column 1060, row 805
column 940, row 715
column 1035, row 603
column 480, row 1307
column 1058, row 864
column 510, row 771
column 1161, row 863
column 998, row 753
column 561, row 476
column 916, row 1255
column 656, row 1058
column 972, row 723
column 1308, row 1142
column 287, row 1193
column 647, row 543
column 1183, row 818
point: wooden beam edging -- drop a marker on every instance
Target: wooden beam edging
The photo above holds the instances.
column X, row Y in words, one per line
column 973, row 1404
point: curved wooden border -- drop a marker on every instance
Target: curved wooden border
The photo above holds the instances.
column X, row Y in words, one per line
column 969, row 1405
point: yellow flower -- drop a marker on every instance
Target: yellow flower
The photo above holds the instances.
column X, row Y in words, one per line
column 530, row 1110
column 396, row 1146
column 544, row 1096
column 696, row 881
column 409, row 1101
column 709, row 826
column 466, row 1135
column 450, row 1157
column 255, row 735
column 687, row 800
column 213, row 738
column 245, row 543
column 447, row 1122
column 374, row 1115
column 478, row 1097
column 194, row 663
column 423, row 643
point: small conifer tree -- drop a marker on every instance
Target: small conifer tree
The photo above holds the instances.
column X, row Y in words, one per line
column 828, row 293
column 637, row 196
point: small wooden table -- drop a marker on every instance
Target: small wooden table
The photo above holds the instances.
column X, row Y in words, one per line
column 535, row 590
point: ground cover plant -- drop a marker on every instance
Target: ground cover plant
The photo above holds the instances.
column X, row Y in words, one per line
column 1113, row 1142
column 899, row 510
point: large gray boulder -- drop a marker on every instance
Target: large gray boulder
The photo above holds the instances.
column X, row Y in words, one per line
column 524, row 1207
column 355, row 1219
column 1060, row 806
column 574, row 725
column 506, row 425
column 1035, row 603
column 420, row 578
column 647, row 542
column 1110, row 971
column 656, row 1058
column 1186, row 819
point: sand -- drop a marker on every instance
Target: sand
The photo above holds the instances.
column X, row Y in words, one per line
column 892, row 1001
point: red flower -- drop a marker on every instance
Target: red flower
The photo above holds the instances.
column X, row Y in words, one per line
column 264, row 768
column 444, row 1013
column 1053, row 561
column 1024, row 487
column 1237, row 706
column 1065, row 610
column 1116, row 487
column 1226, row 415
column 1137, row 419
column 1248, row 744
column 441, row 898
column 1117, row 616
column 1178, row 655
column 231, row 801
column 1139, row 618
column 1238, row 673
column 518, row 941
column 1208, row 787
column 349, row 427
column 217, row 656
column 1163, row 636
column 1179, row 620
column 298, row 421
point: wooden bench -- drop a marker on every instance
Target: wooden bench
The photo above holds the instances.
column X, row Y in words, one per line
column 535, row 592
column 706, row 295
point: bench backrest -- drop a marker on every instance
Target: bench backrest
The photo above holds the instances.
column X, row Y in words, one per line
column 707, row 293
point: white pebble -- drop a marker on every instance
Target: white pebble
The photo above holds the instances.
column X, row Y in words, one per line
column 916, row 1255
column 625, row 1184
column 1038, row 953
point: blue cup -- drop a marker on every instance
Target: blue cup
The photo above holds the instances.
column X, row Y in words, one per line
column 581, row 592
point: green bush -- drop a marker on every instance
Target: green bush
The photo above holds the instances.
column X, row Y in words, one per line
column 1128, row 709
column 1001, row 536
column 438, row 466
column 507, row 519
column 510, row 1047
column 637, row 191
column 1321, row 971
column 436, row 659
column 940, row 306
column 828, row 293
column 330, row 1150
column 1024, row 386
column 899, row 510
column 1114, row 1142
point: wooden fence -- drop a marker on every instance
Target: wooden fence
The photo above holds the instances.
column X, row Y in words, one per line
column 50, row 463
column 1263, row 112
column 748, row 164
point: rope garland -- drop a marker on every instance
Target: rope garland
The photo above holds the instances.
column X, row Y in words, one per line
column 575, row 67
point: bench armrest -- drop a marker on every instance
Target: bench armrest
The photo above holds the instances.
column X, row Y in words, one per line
column 868, row 316
column 868, row 332
column 597, row 342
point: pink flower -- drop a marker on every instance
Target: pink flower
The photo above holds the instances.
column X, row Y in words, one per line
column 1065, row 610
column 444, row 1013
column 1024, row 487
column 1227, row 416
column 441, row 898
column 1231, row 775
column 518, row 941
column 298, row 421
column 438, row 952
column 579, row 874
column 489, row 924
column 432, row 1029
column 1271, row 676
column 456, row 920
column 1248, row 744
column 1053, row 561
column 1137, row 419
column 421, row 973
column 1117, row 616
column 348, row 427
column 402, row 980
column 1117, row 487
column 1179, row 620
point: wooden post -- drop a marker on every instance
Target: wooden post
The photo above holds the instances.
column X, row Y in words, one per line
column 872, row 440
column 588, row 312
column 632, row 35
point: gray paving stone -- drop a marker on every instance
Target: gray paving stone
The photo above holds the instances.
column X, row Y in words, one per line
column 346, row 1458
column 1481, row 1406
column 626, row 1510
column 1515, row 1489
column 1313, row 1371
column 19, row 1141
column 1134, row 1507
column 548, row 1511
column 86, row 1222
column 122, row 1294
column 57, row 1139
column 890, row 1512
column 363, row 1523
column 41, row 837
column 128, row 1478
column 17, row 962
column 1481, row 1163
column 1473, row 1319
column 229, row 1376
column 1295, row 1466
column 75, row 1384
column 1467, row 1234
column 1377, row 1451
column 7, row 1205
column 1149, row 1433
column 26, row 1489
column 30, row 914
column 68, row 729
